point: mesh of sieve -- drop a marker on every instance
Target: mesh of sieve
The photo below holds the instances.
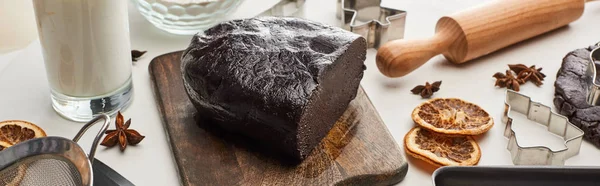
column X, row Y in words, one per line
column 42, row 170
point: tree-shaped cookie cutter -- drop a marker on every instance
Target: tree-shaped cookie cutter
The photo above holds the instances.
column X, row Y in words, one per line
column 591, row 74
column 542, row 114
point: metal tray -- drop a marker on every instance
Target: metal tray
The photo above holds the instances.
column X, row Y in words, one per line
column 516, row 176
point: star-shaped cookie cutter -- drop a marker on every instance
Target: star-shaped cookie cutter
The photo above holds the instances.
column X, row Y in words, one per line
column 377, row 23
column 542, row 114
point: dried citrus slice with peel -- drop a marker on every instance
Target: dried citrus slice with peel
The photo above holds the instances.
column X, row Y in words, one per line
column 13, row 175
column 440, row 149
column 4, row 145
column 15, row 131
column 452, row 116
column 11, row 133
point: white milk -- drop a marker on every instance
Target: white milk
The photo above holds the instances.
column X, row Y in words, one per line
column 85, row 45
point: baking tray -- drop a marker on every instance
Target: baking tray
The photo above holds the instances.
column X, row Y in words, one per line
column 516, row 176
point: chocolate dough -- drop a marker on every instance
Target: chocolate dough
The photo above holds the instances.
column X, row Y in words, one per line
column 570, row 94
column 281, row 81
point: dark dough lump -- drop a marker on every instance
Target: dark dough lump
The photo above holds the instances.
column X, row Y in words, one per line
column 281, row 81
column 571, row 94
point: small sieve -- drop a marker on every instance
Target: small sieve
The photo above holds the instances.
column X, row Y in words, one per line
column 51, row 160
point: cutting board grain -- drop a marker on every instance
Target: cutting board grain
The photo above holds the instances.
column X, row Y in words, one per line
column 359, row 150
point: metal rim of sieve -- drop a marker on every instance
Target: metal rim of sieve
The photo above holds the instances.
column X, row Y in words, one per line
column 58, row 147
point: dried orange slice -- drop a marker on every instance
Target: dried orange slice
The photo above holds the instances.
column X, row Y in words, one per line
column 441, row 150
column 13, row 175
column 11, row 133
column 15, row 131
column 452, row 116
column 4, row 145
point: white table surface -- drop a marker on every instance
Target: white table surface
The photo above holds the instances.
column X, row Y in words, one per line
column 24, row 94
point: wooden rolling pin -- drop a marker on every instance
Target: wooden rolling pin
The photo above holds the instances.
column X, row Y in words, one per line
column 478, row 31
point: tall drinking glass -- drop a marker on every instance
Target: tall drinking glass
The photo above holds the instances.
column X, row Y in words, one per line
column 87, row 54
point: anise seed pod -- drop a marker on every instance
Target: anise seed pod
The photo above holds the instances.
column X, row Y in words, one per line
column 110, row 140
column 134, row 137
column 436, row 86
column 135, row 54
column 426, row 93
column 517, row 68
column 417, row 89
column 427, row 90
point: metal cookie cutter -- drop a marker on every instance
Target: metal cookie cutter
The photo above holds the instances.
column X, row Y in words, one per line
column 378, row 24
column 593, row 87
column 556, row 123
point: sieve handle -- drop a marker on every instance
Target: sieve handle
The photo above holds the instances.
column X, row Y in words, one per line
column 98, row 136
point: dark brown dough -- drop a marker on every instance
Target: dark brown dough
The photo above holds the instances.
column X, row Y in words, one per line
column 570, row 94
column 281, row 81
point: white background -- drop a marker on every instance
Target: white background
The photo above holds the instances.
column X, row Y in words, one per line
column 24, row 92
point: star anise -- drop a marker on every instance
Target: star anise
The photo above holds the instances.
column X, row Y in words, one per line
column 427, row 90
column 136, row 54
column 528, row 73
column 122, row 135
column 508, row 80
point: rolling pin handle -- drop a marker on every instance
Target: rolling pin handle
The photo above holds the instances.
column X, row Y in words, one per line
column 400, row 57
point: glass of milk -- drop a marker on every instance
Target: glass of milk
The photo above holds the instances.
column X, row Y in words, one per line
column 87, row 54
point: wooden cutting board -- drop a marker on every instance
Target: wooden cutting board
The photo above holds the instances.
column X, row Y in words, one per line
column 359, row 150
